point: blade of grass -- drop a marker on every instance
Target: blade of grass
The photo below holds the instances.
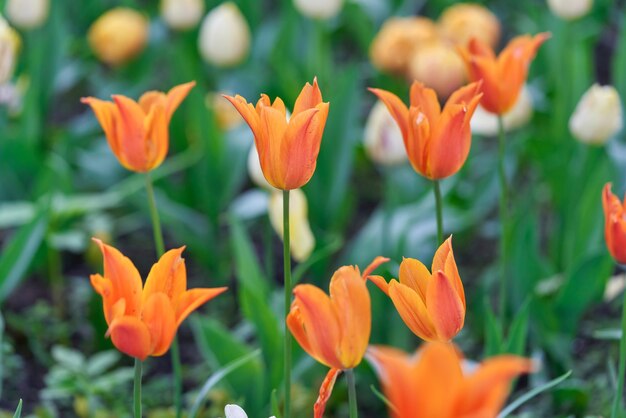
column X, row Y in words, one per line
column 531, row 394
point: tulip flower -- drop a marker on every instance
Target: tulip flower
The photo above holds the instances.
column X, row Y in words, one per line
column 598, row 115
column 27, row 14
column 118, row 35
column 137, row 132
column 319, row 9
column 503, row 76
column 9, row 47
column 143, row 322
column 432, row 383
column 614, row 224
column 432, row 305
column 463, row 21
column 437, row 141
column 382, row 137
column 334, row 330
column 439, row 67
column 570, row 9
column 486, row 123
column 235, row 411
column 287, row 149
column 182, row 14
column 302, row 240
column 224, row 38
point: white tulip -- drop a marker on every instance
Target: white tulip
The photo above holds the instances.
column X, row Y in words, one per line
column 598, row 115
column 224, row 36
column 27, row 14
column 570, row 9
column 318, row 9
column 182, row 14
column 234, row 411
column 486, row 123
column 302, row 241
column 382, row 137
column 9, row 47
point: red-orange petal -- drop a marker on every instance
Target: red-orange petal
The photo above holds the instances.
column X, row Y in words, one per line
column 192, row 299
column 397, row 108
column 326, row 389
column 175, row 97
column 444, row 306
column 309, row 97
column 168, row 275
column 131, row 336
column 412, row 310
column 158, row 315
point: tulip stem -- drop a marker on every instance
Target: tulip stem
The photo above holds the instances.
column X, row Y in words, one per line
column 622, row 366
column 287, row 273
column 352, row 393
column 439, row 207
column 160, row 250
column 503, row 220
column 137, row 388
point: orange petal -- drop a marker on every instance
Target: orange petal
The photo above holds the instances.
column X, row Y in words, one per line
column 132, row 140
column 151, row 98
column 175, row 97
column 374, row 265
column 418, row 142
column 247, row 112
column 157, row 137
column 395, row 370
column 380, row 282
column 444, row 261
column 445, row 308
column 415, row 275
column 108, row 116
column 296, row 326
column 299, row 150
column 351, row 299
column 326, row 389
column 396, row 107
column 131, row 337
column 192, row 299
column 168, row 276
column 426, row 100
column 269, row 144
column 412, row 310
column 158, row 315
column 309, row 97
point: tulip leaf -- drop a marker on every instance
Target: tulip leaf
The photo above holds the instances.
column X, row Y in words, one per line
column 18, row 411
column 493, row 332
column 518, row 331
column 532, row 393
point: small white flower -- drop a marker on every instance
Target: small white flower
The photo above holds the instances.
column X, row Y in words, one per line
column 598, row 115
column 570, row 9
column 382, row 137
column 224, row 36
column 182, row 14
column 318, row 9
column 27, row 14
column 9, row 47
column 234, row 411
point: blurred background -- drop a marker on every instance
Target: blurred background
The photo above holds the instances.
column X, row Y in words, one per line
column 60, row 185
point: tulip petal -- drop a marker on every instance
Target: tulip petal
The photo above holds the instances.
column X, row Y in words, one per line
column 132, row 134
column 380, row 282
column 395, row 370
column 175, row 97
column 107, row 115
column 309, row 97
column 326, row 389
column 415, row 275
column 168, row 276
column 445, row 308
column 131, row 337
column 247, row 112
column 192, row 299
column 396, row 107
column 299, row 149
column 150, row 99
column 373, row 266
column 444, row 261
column 426, row 100
column 412, row 310
column 269, row 144
column 157, row 137
column 158, row 316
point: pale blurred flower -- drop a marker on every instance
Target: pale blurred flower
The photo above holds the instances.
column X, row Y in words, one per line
column 301, row 237
column 182, row 14
column 254, row 169
column 118, row 35
column 224, row 36
column 438, row 66
column 461, row 22
column 570, row 9
column 27, row 14
column 486, row 123
column 598, row 115
column 318, row 9
column 9, row 47
column 614, row 287
column 235, row 411
column 227, row 116
column 382, row 137
column 397, row 40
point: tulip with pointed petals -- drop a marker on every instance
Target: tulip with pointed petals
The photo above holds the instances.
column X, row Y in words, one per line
column 137, row 132
column 143, row 322
column 614, row 224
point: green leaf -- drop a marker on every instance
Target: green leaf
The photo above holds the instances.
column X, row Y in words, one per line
column 518, row 332
column 18, row 411
column 493, row 332
column 532, row 393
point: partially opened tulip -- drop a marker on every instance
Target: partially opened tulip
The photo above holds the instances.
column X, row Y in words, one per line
column 463, row 21
column 614, row 224
column 598, row 115
column 334, row 330
column 119, row 35
column 137, row 132
column 143, row 322
column 432, row 383
column 432, row 305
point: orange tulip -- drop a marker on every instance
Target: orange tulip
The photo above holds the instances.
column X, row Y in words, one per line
column 143, row 323
column 614, row 224
column 287, row 149
column 137, row 132
column 437, row 141
column 432, row 384
column 431, row 305
column 334, row 330
column 503, row 76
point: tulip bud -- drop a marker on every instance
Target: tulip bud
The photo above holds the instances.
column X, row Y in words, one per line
column 486, row 123
column 182, row 14
column 226, row 115
column 464, row 21
column 118, row 35
column 598, row 115
column 224, row 36
column 255, row 171
column 439, row 67
column 27, row 14
column 396, row 41
column 570, row 9
column 318, row 9
column 301, row 238
column 383, row 138
column 9, row 47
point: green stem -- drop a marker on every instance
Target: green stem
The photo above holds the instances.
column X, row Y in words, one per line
column 622, row 366
column 287, row 273
column 160, row 250
column 503, row 220
column 137, row 388
column 439, row 206
column 352, row 393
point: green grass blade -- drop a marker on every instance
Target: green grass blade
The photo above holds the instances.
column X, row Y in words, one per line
column 532, row 393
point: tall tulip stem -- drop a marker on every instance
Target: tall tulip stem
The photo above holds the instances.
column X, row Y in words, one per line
column 439, row 209
column 160, row 250
column 503, row 220
column 352, row 393
column 287, row 274
column 617, row 402
column 137, row 388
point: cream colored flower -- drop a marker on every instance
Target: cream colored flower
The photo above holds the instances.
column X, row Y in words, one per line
column 318, row 9
column 598, row 115
column 461, row 22
column 118, row 35
column 235, row 411
column 27, row 14
column 224, row 36
column 182, row 14
column 302, row 241
column 570, row 9
column 382, row 137
column 486, row 123
column 225, row 113
column 9, row 47
column 254, row 169
column 438, row 66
